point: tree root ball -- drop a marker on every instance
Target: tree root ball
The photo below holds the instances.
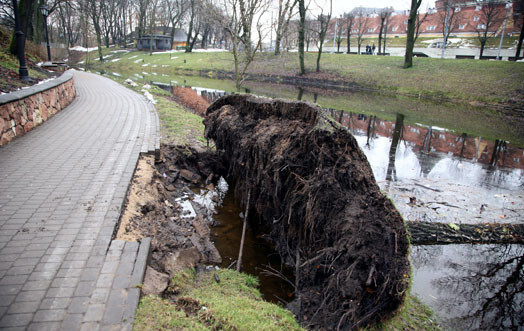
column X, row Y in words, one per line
column 313, row 188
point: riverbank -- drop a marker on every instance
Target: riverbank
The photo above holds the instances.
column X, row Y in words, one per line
column 465, row 81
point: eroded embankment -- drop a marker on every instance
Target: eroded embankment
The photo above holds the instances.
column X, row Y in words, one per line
column 310, row 184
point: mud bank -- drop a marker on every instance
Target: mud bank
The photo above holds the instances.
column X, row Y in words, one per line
column 313, row 189
column 161, row 205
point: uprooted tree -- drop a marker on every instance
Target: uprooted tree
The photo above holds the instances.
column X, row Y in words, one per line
column 311, row 185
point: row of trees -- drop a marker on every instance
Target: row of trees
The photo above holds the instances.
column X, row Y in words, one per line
column 235, row 24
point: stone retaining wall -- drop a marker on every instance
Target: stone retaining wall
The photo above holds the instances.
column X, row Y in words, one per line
column 23, row 110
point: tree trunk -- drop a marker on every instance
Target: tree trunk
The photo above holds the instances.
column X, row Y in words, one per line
column 380, row 38
column 410, row 42
column 190, row 31
column 521, row 38
column 318, row 57
column 433, row 233
column 482, row 44
column 349, row 42
column 301, row 35
column 278, row 39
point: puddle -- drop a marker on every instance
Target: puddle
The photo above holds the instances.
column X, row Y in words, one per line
column 257, row 254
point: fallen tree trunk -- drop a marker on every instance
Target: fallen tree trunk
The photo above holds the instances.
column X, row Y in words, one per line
column 313, row 188
column 426, row 233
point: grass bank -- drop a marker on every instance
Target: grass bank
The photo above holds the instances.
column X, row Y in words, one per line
column 457, row 80
column 200, row 302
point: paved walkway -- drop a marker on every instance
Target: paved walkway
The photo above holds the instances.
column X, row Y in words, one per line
column 62, row 187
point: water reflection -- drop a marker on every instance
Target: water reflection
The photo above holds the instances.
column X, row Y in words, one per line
column 472, row 287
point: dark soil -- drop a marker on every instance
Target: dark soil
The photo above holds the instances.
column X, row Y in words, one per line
column 314, row 191
column 162, row 219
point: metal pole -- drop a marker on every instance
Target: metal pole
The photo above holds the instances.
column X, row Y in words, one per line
column 19, row 35
column 47, row 39
column 508, row 6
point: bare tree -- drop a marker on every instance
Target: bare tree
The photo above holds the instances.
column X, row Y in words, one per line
column 237, row 18
column 338, row 34
column 384, row 15
column 419, row 22
column 323, row 22
column 350, row 19
column 311, row 32
column 489, row 17
column 142, row 7
column 192, row 18
column 175, row 10
column 410, row 40
column 449, row 15
column 94, row 9
column 362, row 21
column 285, row 13
column 301, row 35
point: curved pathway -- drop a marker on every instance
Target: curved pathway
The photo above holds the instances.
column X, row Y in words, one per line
column 62, row 187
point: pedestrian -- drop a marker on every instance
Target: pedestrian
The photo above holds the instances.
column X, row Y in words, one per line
column 373, row 50
column 367, row 49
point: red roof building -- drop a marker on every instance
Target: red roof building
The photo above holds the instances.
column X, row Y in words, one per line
column 468, row 19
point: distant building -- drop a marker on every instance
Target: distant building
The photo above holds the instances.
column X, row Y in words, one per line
column 468, row 21
column 160, row 35
column 160, row 42
column 179, row 39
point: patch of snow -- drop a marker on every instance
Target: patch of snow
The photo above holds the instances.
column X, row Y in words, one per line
column 40, row 64
column 154, row 73
column 115, row 60
column 139, row 76
column 117, row 74
column 83, row 49
column 132, row 57
column 81, row 62
column 145, row 65
column 146, row 86
column 44, row 81
column 130, row 82
column 165, row 66
column 176, row 57
column 167, row 52
column 149, row 97
column 136, row 61
column 145, row 73
column 155, row 65
column 120, row 51
column 209, row 50
column 107, row 56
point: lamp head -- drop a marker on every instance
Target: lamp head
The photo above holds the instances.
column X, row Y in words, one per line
column 44, row 10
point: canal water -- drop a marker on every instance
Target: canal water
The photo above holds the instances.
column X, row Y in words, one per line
column 460, row 164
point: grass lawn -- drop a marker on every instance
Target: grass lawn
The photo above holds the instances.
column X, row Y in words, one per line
column 458, row 80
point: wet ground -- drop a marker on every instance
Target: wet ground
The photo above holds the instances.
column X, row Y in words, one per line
column 435, row 174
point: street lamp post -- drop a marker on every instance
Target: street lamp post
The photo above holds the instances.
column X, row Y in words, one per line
column 19, row 35
column 45, row 13
column 508, row 7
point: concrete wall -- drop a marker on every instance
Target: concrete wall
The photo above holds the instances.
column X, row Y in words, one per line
column 23, row 110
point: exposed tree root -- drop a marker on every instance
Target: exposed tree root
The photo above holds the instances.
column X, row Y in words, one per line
column 313, row 188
